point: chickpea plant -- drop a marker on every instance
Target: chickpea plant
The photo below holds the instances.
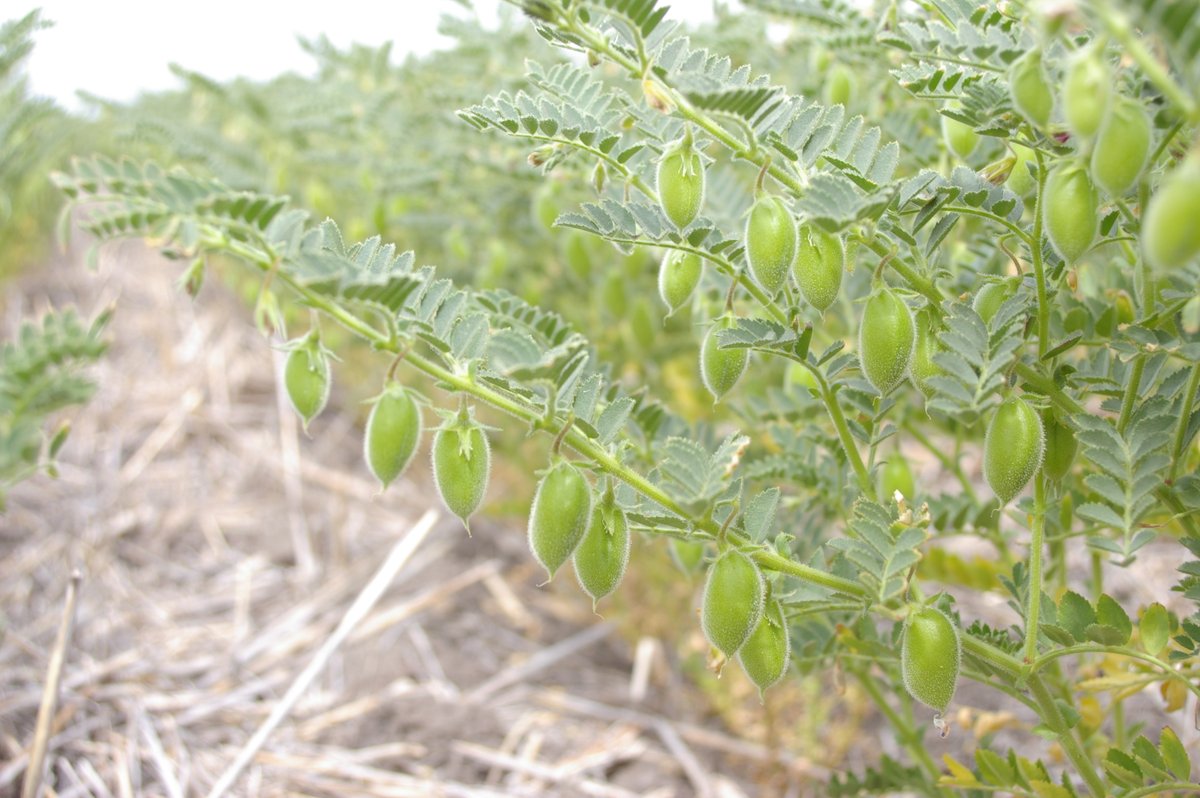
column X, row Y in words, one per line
column 992, row 255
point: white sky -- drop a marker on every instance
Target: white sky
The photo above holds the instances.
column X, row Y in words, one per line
column 117, row 48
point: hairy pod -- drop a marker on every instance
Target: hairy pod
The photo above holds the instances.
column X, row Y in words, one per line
column 886, row 339
column 392, row 434
column 681, row 183
column 766, row 654
column 562, row 508
column 1013, row 448
column 1061, row 446
column 720, row 368
column 820, row 261
column 960, row 137
column 923, row 367
column 1029, row 89
column 991, row 296
column 896, row 475
column 839, row 85
column 603, row 553
column 770, row 242
column 930, row 654
column 733, row 601
column 462, row 462
column 307, row 378
column 1170, row 234
column 1020, row 180
column 1122, row 148
column 1087, row 90
column 1070, row 211
column 678, row 276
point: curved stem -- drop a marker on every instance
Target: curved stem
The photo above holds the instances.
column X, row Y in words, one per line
column 1054, row 719
column 1185, row 417
column 1120, row 651
column 906, row 731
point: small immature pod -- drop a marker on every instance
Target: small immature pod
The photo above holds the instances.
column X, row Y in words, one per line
column 820, row 262
column 562, row 508
column 603, row 553
column 991, row 296
column 961, row 138
column 1070, row 210
column 1087, row 90
column 1012, row 448
column 886, row 339
column 896, row 475
column 733, row 601
column 678, row 276
column 1030, row 91
column 461, row 465
column 1170, row 234
column 930, row 654
column 720, row 368
column 681, row 182
column 923, row 367
column 765, row 656
column 392, row 434
column 770, row 242
column 1122, row 148
column 1061, row 446
column 306, row 377
column 1020, row 180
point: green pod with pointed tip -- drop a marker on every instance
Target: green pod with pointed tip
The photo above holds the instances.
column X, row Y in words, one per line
column 765, row 655
column 734, row 594
column 923, row 368
column 1013, row 448
column 603, row 553
column 820, row 262
column 559, row 517
column 392, row 434
column 681, row 183
column 930, row 657
column 1087, row 91
column 307, row 378
column 462, row 462
column 1070, row 211
column 1029, row 89
column 720, row 369
column 678, row 276
column 1170, row 234
column 770, row 242
column 886, row 339
column 1122, row 148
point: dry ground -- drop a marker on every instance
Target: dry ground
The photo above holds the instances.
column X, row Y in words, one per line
column 219, row 547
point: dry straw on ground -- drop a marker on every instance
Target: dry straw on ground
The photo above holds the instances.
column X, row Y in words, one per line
column 219, row 549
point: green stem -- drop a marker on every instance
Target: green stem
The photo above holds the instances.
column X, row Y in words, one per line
column 949, row 462
column 1036, row 544
column 1184, row 787
column 1167, row 670
column 1039, row 268
column 908, row 734
column 1131, row 392
column 829, row 397
column 1053, row 718
column 1120, row 28
column 1185, row 417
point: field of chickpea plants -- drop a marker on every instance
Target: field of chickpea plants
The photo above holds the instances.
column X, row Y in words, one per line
column 801, row 404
